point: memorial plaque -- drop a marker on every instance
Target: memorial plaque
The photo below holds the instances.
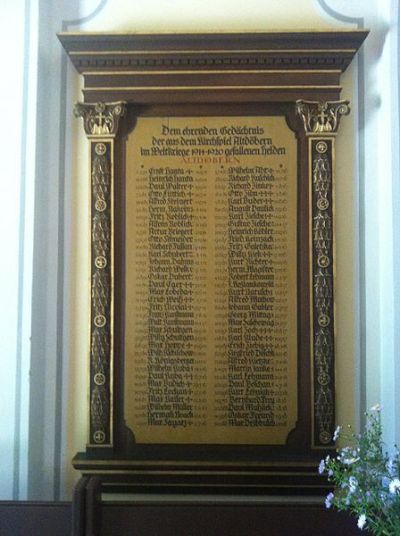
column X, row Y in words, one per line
column 212, row 318
column 211, row 280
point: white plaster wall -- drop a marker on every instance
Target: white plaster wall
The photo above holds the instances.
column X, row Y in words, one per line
column 9, row 228
column 384, row 161
column 18, row 97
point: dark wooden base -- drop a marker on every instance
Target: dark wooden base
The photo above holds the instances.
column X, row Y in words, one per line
column 210, row 515
column 219, row 476
column 229, row 519
column 169, row 516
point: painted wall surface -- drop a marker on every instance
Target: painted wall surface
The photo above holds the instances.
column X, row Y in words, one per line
column 9, row 225
column 199, row 16
column 367, row 193
column 17, row 146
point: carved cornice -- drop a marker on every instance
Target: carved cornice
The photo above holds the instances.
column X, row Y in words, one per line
column 321, row 117
column 195, row 68
column 328, row 49
column 100, row 119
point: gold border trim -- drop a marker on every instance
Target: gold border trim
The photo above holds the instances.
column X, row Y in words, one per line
column 186, row 88
column 209, row 71
column 197, row 463
column 112, row 288
column 213, row 51
column 205, row 473
column 311, row 306
column 194, row 34
column 192, row 485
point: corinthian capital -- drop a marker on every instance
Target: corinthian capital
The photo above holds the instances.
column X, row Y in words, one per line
column 100, row 119
column 321, row 117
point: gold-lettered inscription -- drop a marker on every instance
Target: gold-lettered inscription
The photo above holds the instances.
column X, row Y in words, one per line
column 211, row 290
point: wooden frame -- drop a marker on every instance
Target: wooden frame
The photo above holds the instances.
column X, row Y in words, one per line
column 295, row 75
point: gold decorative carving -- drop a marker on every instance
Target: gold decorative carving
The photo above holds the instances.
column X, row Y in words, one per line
column 99, row 379
column 100, row 350
column 99, row 436
column 322, row 239
column 100, row 190
column 100, row 293
column 100, row 149
column 323, row 320
column 321, row 147
column 321, row 117
column 100, row 321
column 101, row 289
column 100, row 119
column 100, row 262
column 323, row 261
column 100, row 205
column 99, row 410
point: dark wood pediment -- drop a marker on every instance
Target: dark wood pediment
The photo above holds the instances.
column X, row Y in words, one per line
column 226, row 67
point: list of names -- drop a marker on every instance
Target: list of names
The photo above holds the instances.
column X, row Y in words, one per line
column 211, row 329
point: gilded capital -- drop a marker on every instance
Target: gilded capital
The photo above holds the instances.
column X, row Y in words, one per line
column 321, row 117
column 100, row 119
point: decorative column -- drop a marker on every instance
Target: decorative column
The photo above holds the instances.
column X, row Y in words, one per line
column 321, row 122
column 101, row 123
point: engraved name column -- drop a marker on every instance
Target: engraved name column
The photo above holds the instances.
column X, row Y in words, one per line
column 170, row 298
column 321, row 122
column 101, row 125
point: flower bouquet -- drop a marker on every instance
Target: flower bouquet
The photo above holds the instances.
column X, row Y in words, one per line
column 366, row 478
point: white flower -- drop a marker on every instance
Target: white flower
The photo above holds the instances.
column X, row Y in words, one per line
column 336, row 433
column 321, row 467
column 394, row 485
column 353, row 484
column 348, row 456
column 329, row 499
column 377, row 407
column 390, row 466
column 361, row 521
column 349, row 461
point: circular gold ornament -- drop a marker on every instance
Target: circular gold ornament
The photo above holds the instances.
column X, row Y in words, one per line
column 99, row 436
column 99, row 379
column 323, row 378
column 100, row 149
column 100, row 321
column 323, row 320
column 321, row 147
column 323, row 261
column 100, row 262
column 325, row 437
column 100, row 205
column 322, row 203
